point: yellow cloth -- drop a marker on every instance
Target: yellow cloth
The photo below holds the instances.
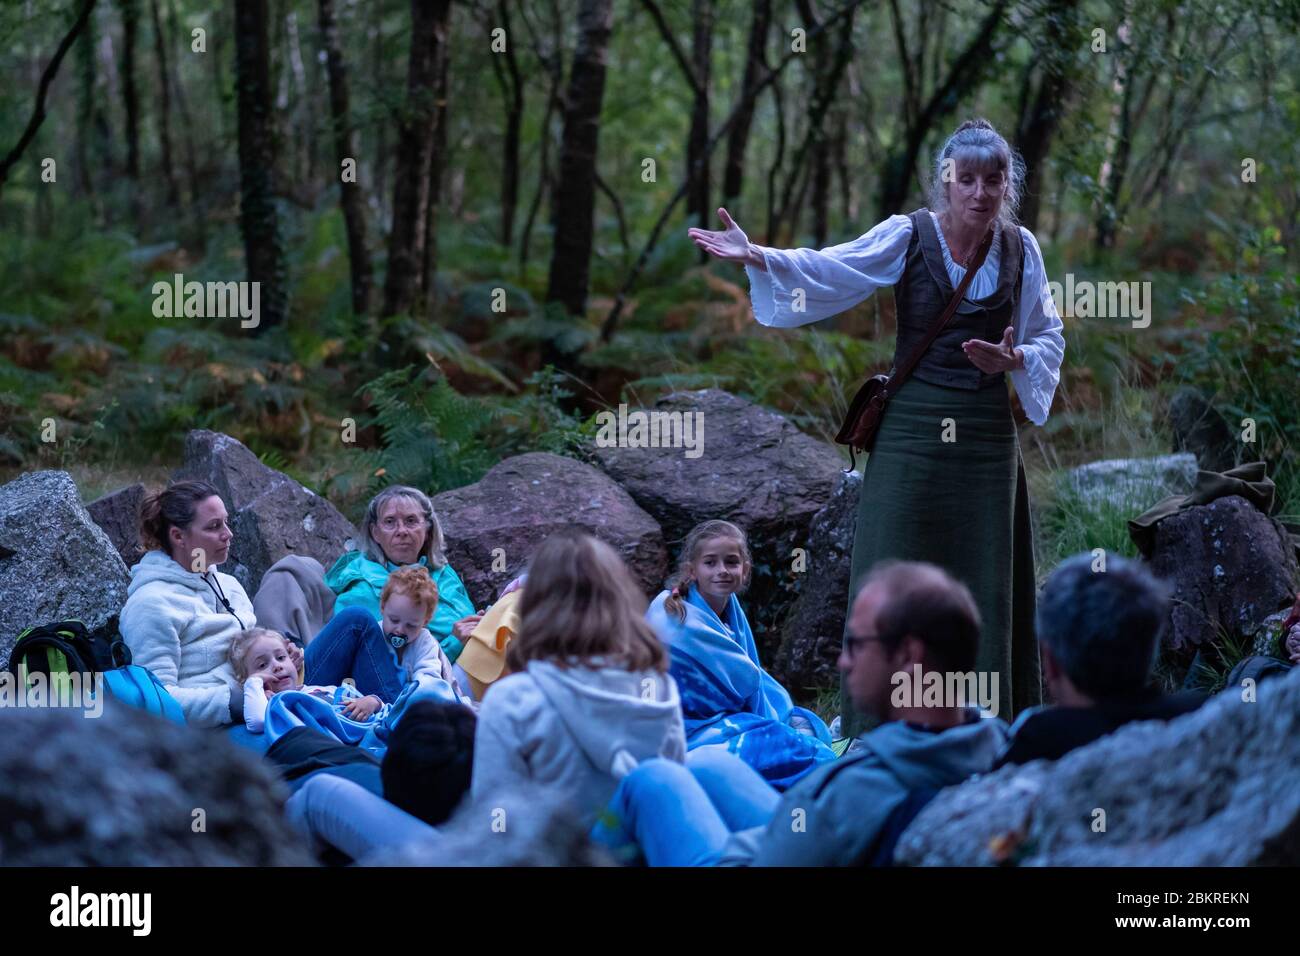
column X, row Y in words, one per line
column 484, row 656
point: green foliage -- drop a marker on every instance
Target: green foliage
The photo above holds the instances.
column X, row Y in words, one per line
column 430, row 434
column 434, row 438
column 1249, row 357
column 1210, row 670
column 1071, row 524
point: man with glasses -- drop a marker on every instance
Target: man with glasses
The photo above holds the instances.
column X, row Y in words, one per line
column 909, row 619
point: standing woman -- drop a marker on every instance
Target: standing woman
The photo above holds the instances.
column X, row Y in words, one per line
column 944, row 482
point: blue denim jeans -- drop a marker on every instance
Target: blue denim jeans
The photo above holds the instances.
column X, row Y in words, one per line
column 682, row 815
column 350, row 818
column 352, row 645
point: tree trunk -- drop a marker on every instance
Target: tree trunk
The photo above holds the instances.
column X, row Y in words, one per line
column 164, row 108
column 191, row 161
column 414, row 151
column 217, row 38
column 42, row 89
column 733, row 176
column 91, row 139
column 513, row 94
column 552, row 63
column 1110, row 178
column 351, row 200
column 610, row 324
column 821, row 194
column 258, row 219
column 130, row 101
column 305, row 103
column 575, row 195
column 828, row 76
column 437, row 164
column 380, row 190
column 966, row 73
column 1044, row 109
column 697, row 163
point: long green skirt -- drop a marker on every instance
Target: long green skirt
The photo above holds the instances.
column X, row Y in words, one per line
column 961, row 504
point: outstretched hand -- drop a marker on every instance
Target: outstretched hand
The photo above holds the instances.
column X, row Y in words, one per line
column 730, row 243
column 993, row 357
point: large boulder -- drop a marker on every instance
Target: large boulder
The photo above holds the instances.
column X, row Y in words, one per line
column 813, row 630
column 1230, row 566
column 1217, row 787
column 118, row 514
column 1132, row 483
column 1198, row 428
column 492, row 526
column 55, row 562
column 130, row 789
column 271, row 515
column 752, row 467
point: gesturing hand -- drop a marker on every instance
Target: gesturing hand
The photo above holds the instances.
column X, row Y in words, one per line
column 992, row 357
column 730, row 243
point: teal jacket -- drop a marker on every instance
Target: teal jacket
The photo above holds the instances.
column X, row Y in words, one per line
column 358, row 582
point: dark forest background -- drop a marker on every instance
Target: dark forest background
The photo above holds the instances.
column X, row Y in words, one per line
column 512, row 255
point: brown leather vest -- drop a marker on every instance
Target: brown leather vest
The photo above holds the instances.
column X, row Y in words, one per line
column 924, row 290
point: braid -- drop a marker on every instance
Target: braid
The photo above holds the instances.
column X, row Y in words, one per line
column 675, row 603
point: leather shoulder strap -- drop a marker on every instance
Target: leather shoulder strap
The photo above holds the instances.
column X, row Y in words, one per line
column 901, row 373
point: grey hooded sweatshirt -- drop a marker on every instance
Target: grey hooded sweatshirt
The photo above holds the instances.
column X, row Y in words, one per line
column 575, row 731
column 832, row 816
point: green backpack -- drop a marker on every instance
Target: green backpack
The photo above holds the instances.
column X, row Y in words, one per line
column 64, row 648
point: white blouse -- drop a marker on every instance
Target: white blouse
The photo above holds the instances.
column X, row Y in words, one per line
column 839, row 277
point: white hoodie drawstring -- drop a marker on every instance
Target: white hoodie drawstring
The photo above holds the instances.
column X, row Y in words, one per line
column 221, row 596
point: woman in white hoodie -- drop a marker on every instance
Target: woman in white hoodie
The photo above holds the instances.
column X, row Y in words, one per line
column 181, row 613
column 589, row 696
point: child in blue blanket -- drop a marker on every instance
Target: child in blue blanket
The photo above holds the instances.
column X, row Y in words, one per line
column 397, row 657
column 728, row 700
column 261, row 659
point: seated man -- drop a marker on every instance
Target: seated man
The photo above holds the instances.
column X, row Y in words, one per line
column 1098, row 634
column 906, row 616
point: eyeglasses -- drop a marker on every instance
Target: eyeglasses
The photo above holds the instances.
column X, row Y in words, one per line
column 411, row 521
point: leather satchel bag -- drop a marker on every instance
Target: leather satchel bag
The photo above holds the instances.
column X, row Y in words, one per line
column 868, row 406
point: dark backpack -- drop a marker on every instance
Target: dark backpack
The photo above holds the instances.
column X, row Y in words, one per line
column 66, row 647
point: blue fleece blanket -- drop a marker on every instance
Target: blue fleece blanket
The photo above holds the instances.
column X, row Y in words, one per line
column 729, row 700
column 295, row 708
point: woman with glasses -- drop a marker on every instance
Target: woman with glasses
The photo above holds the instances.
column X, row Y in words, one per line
column 400, row 529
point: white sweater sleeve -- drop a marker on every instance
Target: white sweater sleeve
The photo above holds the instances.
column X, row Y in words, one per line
column 151, row 625
column 807, row 285
column 255, row 703
column 1039, row 336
